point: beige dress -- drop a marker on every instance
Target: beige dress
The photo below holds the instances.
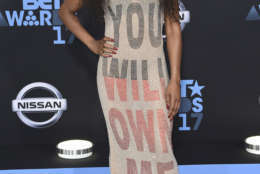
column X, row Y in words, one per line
column 131, row 87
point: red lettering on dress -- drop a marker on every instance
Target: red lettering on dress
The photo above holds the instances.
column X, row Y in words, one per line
column 162, row 81
column 141, row 127
column 164, row 130
column 162, row 167
column 135, row 90
column 149, row 95
column 116, row 115
column 121, row 88
column 146, row 167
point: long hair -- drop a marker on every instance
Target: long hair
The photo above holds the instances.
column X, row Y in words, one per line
column 169, row 7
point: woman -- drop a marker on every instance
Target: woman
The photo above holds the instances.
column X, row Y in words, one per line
column 135, row 91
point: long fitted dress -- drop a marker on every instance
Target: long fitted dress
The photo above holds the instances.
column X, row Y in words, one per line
column 131, row 86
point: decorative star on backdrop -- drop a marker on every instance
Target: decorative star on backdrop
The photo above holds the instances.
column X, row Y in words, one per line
column 196, row 89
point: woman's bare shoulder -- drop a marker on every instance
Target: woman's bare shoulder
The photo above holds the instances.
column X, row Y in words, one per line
column 73, row 5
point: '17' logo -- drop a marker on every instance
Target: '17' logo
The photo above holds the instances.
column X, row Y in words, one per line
column 191, row 104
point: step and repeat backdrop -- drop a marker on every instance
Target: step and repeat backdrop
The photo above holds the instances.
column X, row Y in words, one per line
column 48, row 77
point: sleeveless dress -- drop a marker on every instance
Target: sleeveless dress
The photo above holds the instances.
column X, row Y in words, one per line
column 131, row 87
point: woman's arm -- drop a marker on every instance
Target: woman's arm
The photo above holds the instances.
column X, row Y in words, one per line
column 174, row 48
column 66, row 14
column 71, row 21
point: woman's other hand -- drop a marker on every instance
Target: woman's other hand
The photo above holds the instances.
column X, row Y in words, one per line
column 172, row 96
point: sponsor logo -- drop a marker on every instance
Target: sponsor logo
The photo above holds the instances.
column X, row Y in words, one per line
column 55, row 105
column 35, row 13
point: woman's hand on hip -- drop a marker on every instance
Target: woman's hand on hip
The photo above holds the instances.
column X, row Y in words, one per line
column 172, row 97
column 102, row 48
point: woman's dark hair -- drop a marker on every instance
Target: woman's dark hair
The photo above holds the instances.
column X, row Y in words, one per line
column 169, row 7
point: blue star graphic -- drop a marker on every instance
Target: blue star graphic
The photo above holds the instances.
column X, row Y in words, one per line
column 196, row 89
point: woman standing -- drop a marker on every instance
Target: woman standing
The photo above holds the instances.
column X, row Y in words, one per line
column 138, row 98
